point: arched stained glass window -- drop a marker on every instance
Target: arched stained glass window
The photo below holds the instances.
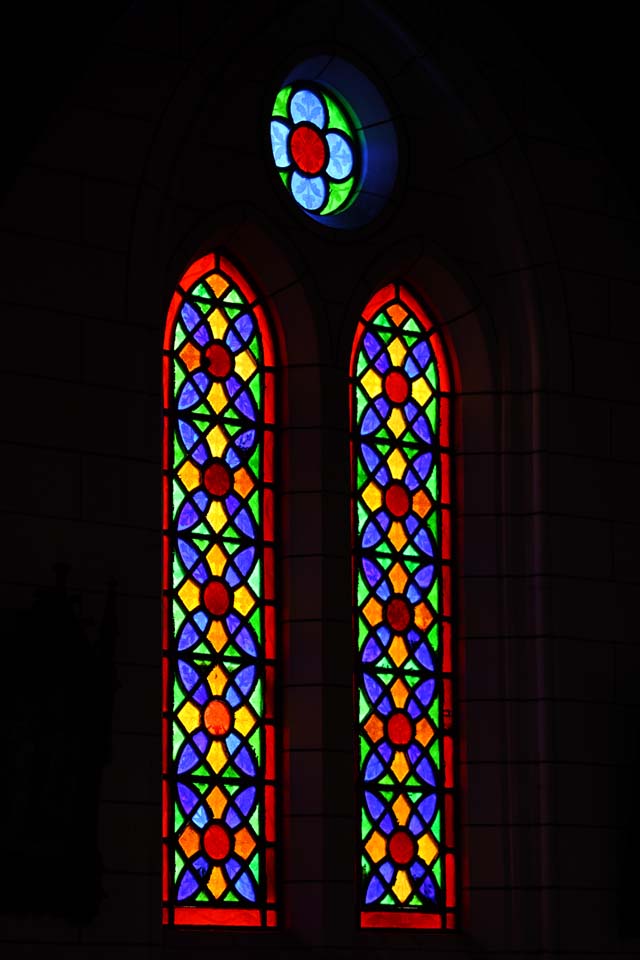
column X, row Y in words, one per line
column 400, row 402
column 219, row 618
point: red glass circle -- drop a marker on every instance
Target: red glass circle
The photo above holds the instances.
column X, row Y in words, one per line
column 219, row 360
column 308, row 150
column 402, row 847
column 217, row 842
column 217, row 718
column 396, row 500
column 396, row 386
column 399, row 729
column 217, row 479
column 217, row 598
column 398, row 614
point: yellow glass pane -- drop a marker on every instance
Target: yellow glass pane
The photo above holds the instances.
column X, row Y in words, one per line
column 396, row 422
column 243, row 482
column 189, row 717
column 217, row 802
column 217, row 681
column 402, row 809
column 372, row 611
column 423, row 616
column 217, row 883
column 424, row 731
column 217, row 515
column 244, row 721
column 398, row 577
column 189, row 593
column 190, row 356
column 217, row 441
column 374, row 728
column 244, row 601
column 245, row 365
column 427, row 848
column 421, row 391
column 399, row 693
column 190, row 475
column 218, row 323
column 217, row 398
column 396, row 464
column 189, row 840
column 399, row 766
column 421, row 503
column 397, row 313
column 372, row 496
column 217, row 636
column 217, row 560
column 217, row 756
column 397, row 535
column 376, row 846
column 372, row 383
column 217, row 283
column 402, row 887
column 397, row 352
column 245, row 844
column 398, row 651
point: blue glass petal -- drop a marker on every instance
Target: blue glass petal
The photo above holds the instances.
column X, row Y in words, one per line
column 188, row 396
column 200, row 741
column 233, row 697
column 188, row 434
column 232, row 458
column 201, row 500
column 245, row 800
column 202, row 336
column 188, row 637
column 233, row 385
column 187, row 797
column 382, row 406
column 232, row 741
column 244, row 560
column 422, row 428
column 188, row 675
column 371, row 421
column 387, row 825
column 424, row 576
column 427, row 807
column 232, row 623
column 245, row 887
column 305, row 105
column 372, row 345
column 417, row 870
column 425, row 770
column 188, row 759
column 384, row 591
column 279, row 143
column 188, row 554
column 422, row 353
column 410, row 368
column 200, row 573
column 383, row 475
column 411, row 480
column 371, row 651
column 231, row 818
column 188, row 885
column 374, row 890
column 411, row 524
column 232, row 503
column 245, row 440
column 425, row 691
column 423, row 656
column 187, row 518
column 371, row 458
column 384, row 633
column 245, row 406
column 200, row 454
column 385, row 751
column 245, row 762
column 372, row 571
column 243, row 522
column 244, row 326
column 376, row 806
column 373, row 688
column 202, row 381
column 387, row 871
column 201, row 619
column 373, row 768
column 385, row 706
column 232, row 866
column 245, row 679
column 310, row 192
column 201, row 817
column 201, row 865
column 245, row 640
column 423, row 464
column 413, row 594
column 190, row 317
column 202, row 695
column 383, row 363
column 428, row 890
column 233, row 342
column 340, row 157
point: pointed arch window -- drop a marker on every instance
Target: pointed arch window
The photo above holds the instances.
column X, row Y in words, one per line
column 219, row 785
column 401, row 482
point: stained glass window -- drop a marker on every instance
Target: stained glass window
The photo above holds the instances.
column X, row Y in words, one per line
column 316, row 148
column 402, row 594
column 219, row 618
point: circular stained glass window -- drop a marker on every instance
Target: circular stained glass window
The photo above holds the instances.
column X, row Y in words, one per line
column 316, row 148
column 333, row 142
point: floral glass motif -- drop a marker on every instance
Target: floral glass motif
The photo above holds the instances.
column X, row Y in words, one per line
column 219, row 622
column 402, row 594
column 315, row 148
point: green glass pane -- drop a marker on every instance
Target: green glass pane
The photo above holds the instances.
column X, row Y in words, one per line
column 337, row 119
column 280, row 107
column 433, row 597
column 435, row 827
column 340, row 195
column 437, row 871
